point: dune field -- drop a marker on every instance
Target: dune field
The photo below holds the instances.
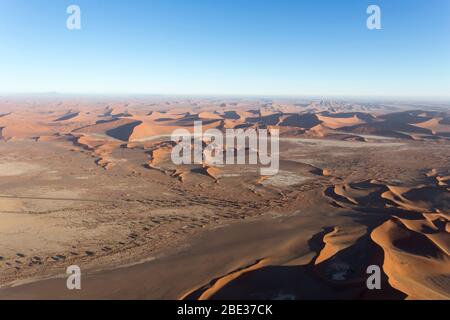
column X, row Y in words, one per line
column 89, row 181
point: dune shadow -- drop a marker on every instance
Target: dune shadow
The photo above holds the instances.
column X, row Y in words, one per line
column 124, row 132
column 309, row 281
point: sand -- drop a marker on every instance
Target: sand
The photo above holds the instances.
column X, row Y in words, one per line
column 93, row 184
column 10, row 169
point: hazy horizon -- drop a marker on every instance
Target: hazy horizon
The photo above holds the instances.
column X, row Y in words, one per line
column 350, row 98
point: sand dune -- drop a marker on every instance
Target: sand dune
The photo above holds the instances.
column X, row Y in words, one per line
column 305, row 121
column 218, row 284
column 338, row 122
column 101, row 149
column 413, row 262
column 415, row 257
column 358, row 184
column 422, row 198
column 209, row 115
column 435, row 125
column 338, row 240
column 414, row 237
column 123, row 132
column 102, row 127
column 68, row 116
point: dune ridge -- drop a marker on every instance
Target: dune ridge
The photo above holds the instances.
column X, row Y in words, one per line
column 358, row 184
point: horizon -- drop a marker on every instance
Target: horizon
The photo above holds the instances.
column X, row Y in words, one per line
column 208, row 48
column 311, row 97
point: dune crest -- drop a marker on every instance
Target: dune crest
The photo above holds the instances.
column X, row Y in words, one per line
column 413, row 262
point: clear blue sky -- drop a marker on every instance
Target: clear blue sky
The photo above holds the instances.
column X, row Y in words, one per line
column 257, row 47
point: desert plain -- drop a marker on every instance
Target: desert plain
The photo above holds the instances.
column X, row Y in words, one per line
column 89, row 181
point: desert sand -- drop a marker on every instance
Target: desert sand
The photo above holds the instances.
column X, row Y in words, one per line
column 89, row 181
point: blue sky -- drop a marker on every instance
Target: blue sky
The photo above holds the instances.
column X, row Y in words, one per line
column 216, row 47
